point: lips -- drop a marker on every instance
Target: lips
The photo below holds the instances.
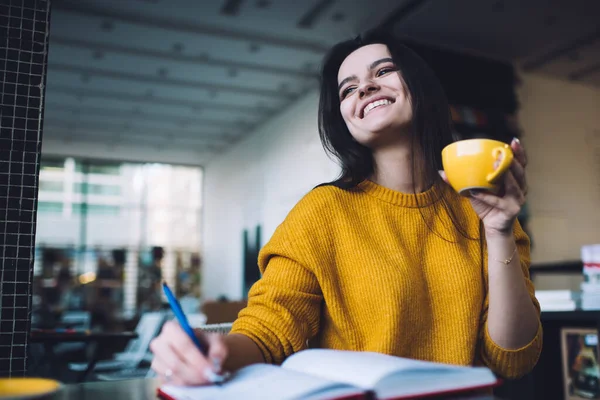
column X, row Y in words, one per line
column 375, row 103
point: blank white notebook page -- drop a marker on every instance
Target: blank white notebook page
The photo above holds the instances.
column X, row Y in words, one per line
column 362, row 369
column 258, row 382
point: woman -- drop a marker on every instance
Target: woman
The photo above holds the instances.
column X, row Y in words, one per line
column 388, row 258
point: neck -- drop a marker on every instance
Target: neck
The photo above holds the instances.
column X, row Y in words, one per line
column 394, row 168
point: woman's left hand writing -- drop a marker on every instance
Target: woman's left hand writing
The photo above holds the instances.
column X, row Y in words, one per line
column 499, row 211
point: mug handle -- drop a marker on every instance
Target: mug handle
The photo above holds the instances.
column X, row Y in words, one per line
column 507, row 157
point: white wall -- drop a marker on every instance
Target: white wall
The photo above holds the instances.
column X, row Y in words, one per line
column 561, row 126
column 258, row 182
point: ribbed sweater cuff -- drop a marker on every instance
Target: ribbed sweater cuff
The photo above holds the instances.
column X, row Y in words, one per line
column 267, row 343
column 512, row 363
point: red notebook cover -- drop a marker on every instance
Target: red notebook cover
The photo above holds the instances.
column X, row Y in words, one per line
column 363, row 396
column 371, row 396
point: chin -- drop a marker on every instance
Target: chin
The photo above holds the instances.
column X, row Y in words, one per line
column 386, row 128
column 382, row 127
column 382, row 134
column 374, row 140
column 385, row 122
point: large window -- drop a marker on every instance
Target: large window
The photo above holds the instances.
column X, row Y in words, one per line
column 133, row 223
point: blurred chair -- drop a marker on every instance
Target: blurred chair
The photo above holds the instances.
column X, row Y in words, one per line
column 218, row 312
column 137, row 349
column 79, row 320
column 76, row 320
column 69, row 351
column 132, row 373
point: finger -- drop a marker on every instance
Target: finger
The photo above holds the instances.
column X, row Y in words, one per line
column 518, row 172
column 519, row 151
column 509, row 207
column 217, row 351
column 161, row 369
column 443, row 175
column 512, row 189
column 167, row 359
column 191, row 363
column 158, row 369
column 183, row 346
column 163, row 352
column 193, row 374
column 491, row 199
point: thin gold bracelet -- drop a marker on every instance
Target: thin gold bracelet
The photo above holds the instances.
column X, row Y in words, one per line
column 508, row 260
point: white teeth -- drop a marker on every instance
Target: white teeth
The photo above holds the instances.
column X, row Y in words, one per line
column 375, row 104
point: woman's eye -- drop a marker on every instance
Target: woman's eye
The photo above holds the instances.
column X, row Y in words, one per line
column 384, row 71
column 347, row 91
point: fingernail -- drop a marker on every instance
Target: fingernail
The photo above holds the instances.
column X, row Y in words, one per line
column 212, row 376
column 516, row 140
column 216, row 362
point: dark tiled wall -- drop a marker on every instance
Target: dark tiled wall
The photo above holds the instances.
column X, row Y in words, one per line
column 24, row 28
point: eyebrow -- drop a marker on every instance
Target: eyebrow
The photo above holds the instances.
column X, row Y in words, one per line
column 372, row 66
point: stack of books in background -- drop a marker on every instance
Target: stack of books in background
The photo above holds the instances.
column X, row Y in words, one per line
column 590, row 287
column 557, row 300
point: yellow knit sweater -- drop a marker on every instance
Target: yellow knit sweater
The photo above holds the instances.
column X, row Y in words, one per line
column 377, row 270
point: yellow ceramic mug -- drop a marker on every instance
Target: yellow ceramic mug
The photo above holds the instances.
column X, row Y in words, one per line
column 469, row 164
column 28, row 388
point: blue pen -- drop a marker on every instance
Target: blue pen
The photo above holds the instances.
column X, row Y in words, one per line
column 181, row 318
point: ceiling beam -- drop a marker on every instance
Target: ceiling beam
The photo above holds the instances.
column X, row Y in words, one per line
column 561, row 51
column 156, row 100
column 401, row 13
column 120, row 140
column 582, row 73
column 139, row 114
column 64, row 124
column 312, row 16
column 104, row 136
column 231, row 7
column 128, row 76
column 185, row 26
column 84, row 132
column 201, row 59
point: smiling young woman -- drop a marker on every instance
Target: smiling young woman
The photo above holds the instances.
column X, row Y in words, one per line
column 388, row 258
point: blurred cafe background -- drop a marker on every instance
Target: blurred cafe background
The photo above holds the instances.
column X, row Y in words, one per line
column 151, row 140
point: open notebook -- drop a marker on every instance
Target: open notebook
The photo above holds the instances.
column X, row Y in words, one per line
column 333, row 374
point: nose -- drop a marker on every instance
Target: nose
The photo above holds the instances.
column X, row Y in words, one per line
column 369, row 87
